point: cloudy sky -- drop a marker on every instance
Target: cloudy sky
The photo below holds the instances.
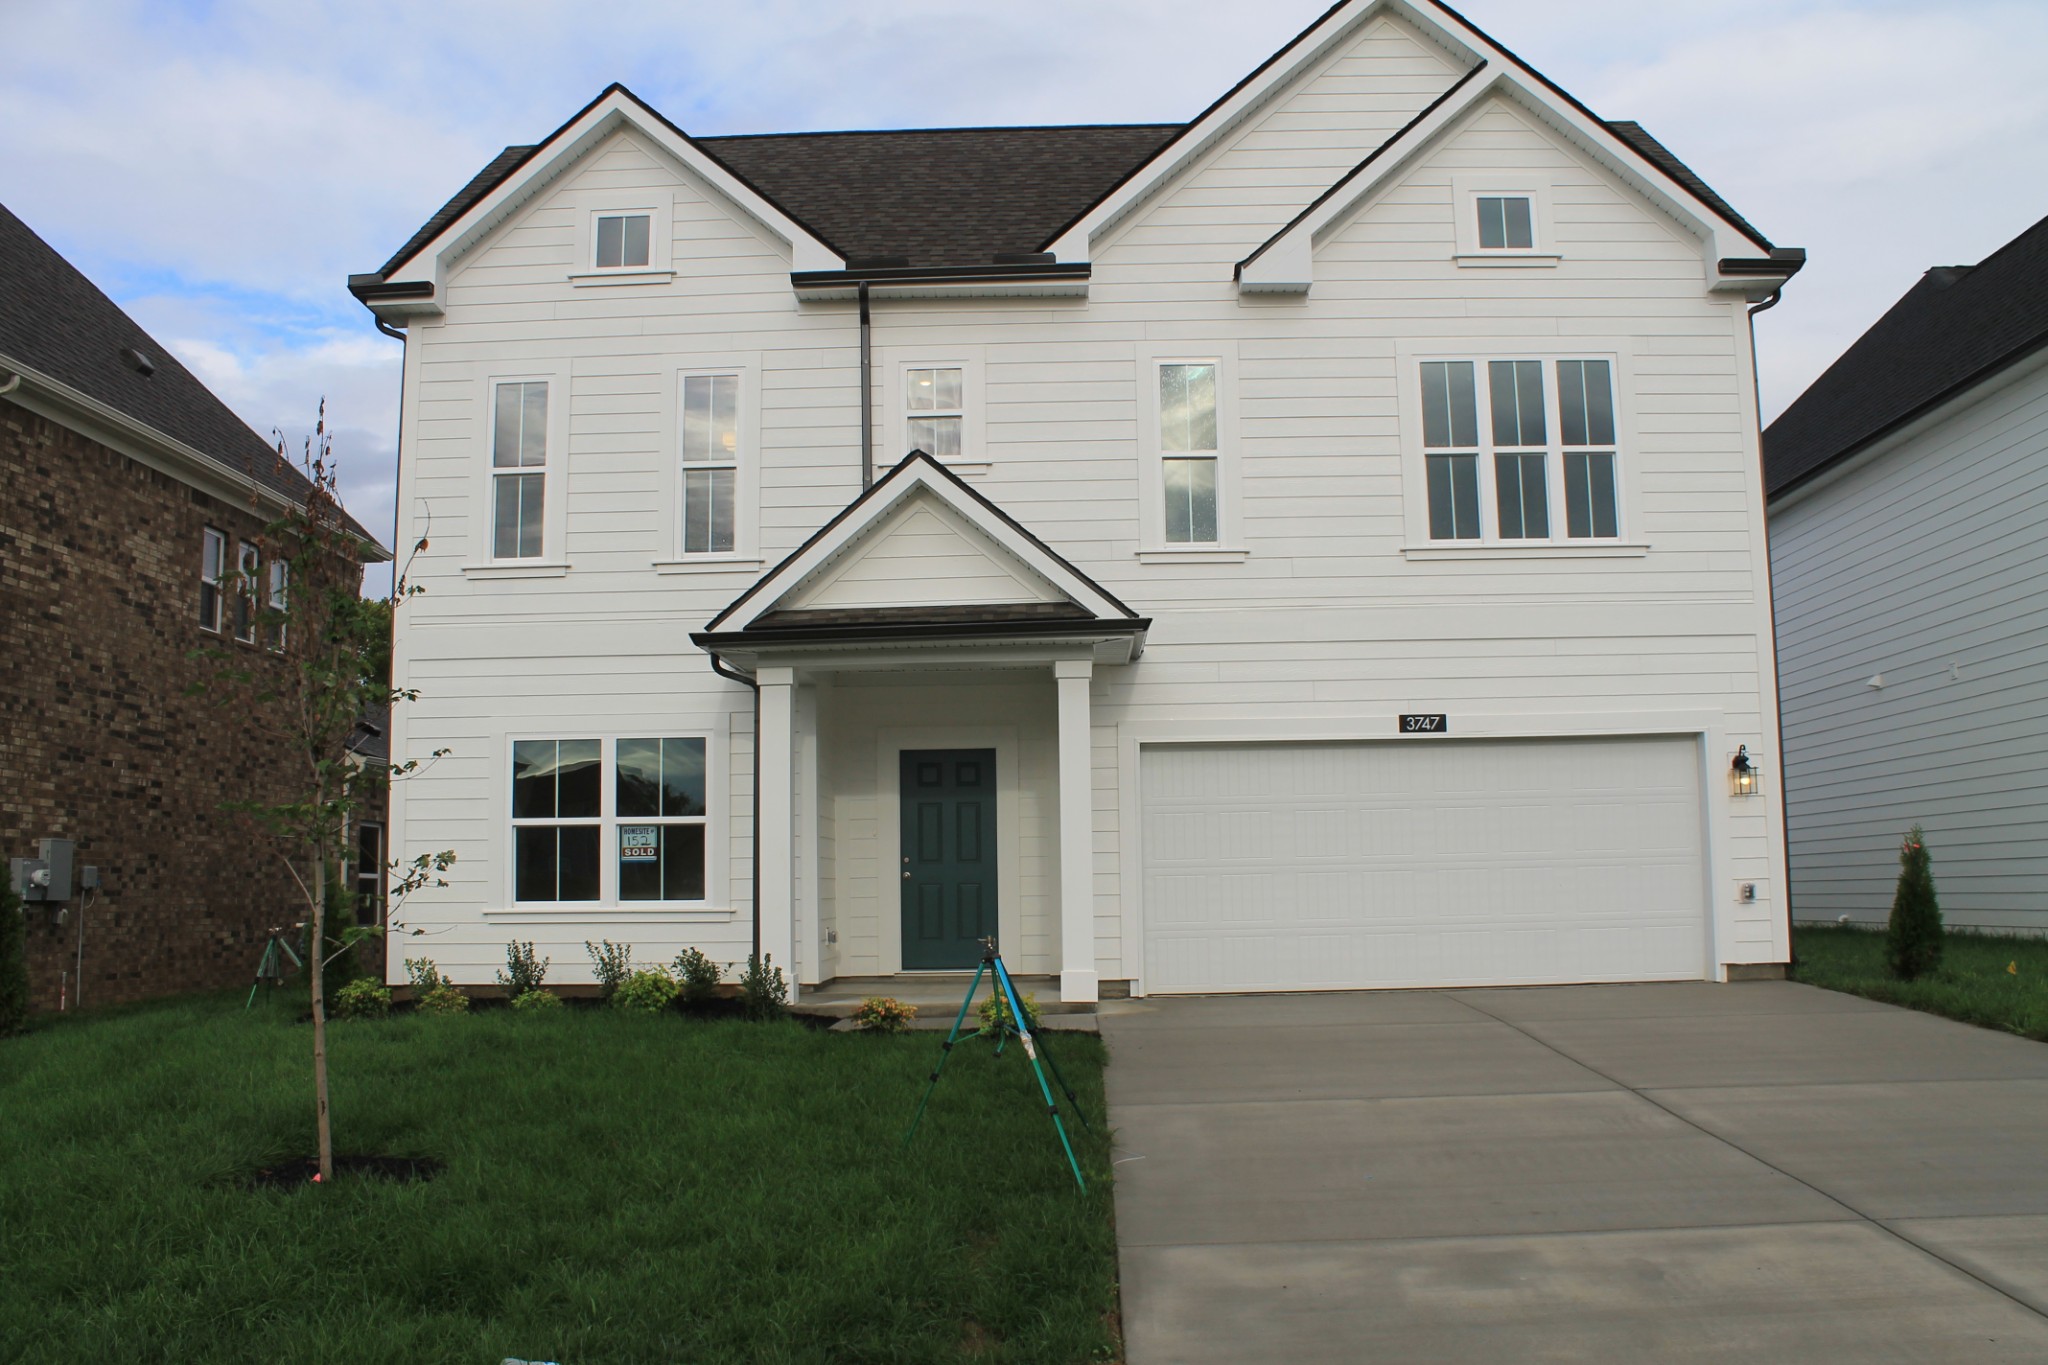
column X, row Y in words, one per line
column 220, row 166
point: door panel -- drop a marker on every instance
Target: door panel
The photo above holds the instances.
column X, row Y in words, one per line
column 948, row 854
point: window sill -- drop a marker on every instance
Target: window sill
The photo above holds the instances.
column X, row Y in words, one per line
column 967, row 469
column 1509, row 259
column 515, row 570
column 707, row 564
column 1606, row 549
column 1193, row 554
column 600, row 279
column 584, row 914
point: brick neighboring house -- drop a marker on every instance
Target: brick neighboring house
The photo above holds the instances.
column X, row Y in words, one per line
column 127, row 494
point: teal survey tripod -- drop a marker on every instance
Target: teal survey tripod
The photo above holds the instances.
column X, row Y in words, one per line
column 270, row 967
column 1016, row 1023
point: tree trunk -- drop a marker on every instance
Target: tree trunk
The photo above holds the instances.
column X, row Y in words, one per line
column 316, row 964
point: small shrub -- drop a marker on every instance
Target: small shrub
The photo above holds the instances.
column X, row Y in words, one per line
column 363, row 998
column 698, row 976
column 433, row 993
column 536, row 1000
column 995, row 1012
column 764, row 993
column 884, row 1014
column 1912, row 940
column 523, row 973
column 13, row 964
column 612, row 962
column 650, row 990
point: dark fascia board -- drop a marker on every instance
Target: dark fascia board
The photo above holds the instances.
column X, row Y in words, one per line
column 874, row 489
column 941, row 274
column 1906, row 419
column 1783, row 260
column 373, row 288
column 756, row 638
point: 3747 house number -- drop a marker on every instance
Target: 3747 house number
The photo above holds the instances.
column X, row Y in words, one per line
column 1425, row 725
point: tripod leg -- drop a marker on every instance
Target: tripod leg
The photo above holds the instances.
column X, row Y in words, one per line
column 1031, row 1051
column 945, row 1051
column 1061, row 1081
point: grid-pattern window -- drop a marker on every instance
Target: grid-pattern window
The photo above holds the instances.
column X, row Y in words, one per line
column 557, row 819
column 1506, row 223
column 213, row 554
column 660, row 806
column 618, row 821
column 248, row 568
column 1188, row 451
column 935, row 402
column 622, row 241
column 710, row 460
column 1499, row 456
column 519, row 457
column 278, row 598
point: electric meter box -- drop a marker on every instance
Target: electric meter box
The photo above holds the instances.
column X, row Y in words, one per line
column 45, row 878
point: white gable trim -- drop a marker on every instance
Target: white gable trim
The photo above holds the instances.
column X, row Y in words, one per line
column 917, row 472
column 615, row 109
column 915, row 514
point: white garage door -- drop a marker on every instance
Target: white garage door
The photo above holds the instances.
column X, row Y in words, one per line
column 1429, row 862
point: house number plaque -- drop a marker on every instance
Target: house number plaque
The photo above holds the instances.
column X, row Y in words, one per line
column 1425, row 725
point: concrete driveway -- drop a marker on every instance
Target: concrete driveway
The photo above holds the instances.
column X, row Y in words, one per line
column 1762, row 1172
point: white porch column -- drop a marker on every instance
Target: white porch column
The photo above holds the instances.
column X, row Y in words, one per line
column 1077, row 833
column 774, row 892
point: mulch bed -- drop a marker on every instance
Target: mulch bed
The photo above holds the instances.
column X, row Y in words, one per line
column 302, row 1171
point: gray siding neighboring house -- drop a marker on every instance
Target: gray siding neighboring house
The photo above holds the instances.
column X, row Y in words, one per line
column 1908, row 518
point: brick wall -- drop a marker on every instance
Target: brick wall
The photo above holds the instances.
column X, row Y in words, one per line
column 99, row 614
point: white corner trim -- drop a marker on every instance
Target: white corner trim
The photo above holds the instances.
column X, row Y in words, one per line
column 609, row 277
column 1194, row 554
column 510, row 569
column 1507, row 259
column 1605, row 549
column 708, row 564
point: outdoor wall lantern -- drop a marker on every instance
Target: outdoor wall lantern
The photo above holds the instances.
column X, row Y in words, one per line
column 1743, row 773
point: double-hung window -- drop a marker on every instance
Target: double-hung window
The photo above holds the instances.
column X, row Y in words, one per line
column 213, row 554
column 519, row 460
column 248, row 567
column 1188, row 451
column 710, row 460
column 609, row 821
column 1506, row 442
column 935, row 410
column 280, row 583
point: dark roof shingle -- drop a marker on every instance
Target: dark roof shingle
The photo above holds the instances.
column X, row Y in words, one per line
column 55, row 321
column 1957, row 326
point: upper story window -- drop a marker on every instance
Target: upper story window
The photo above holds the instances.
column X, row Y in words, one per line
column 280, row 586
column 1506, row 222
column 248, row 566
column 710, row 458
column 935, row 408
column 1503, row 219
column 1188, row 451
column 519, row 468
column 638, row 837
column 213, row 554
column 1505, row 442
column 622, row 241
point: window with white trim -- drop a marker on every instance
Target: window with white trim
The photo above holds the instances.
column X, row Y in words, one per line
column 1188, row 451
column 213, row 554
column 248, row 566
column 935, row 410
column 1506, row 442
column 519, row 468
column 280, row 586
column 620, row 821
column 710, row 461
column 622, row 240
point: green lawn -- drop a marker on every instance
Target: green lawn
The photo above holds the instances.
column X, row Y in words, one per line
column 1973, row 985
column 618, row 1188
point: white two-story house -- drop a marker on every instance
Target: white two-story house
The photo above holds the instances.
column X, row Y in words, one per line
column 1318, row 545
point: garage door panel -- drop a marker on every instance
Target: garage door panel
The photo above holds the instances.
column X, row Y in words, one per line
column 1274, row 867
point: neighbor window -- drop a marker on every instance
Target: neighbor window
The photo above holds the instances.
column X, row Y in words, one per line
column 1511, row 438
column 935, row 401
column 248, row 565
column 213, row 554
column 710, row 459
column 369, row 872
column 1188, row 451
column 1505, row 223
column 280, row 580
column 646, row 816
column 519, row 457
column 622, row 241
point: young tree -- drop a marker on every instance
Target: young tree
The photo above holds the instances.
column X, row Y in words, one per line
column 323, row 666
column 1912, row 940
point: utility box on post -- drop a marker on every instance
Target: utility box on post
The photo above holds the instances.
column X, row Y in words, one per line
column 45, row 879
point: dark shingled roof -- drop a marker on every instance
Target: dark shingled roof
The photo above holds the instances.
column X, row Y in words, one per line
column 1658, row 155
column 55, row 321
column 1958, row 326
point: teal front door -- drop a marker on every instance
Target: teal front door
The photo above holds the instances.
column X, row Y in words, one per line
column 948, row 856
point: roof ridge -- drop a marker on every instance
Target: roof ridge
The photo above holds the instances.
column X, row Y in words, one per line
column 962, row 128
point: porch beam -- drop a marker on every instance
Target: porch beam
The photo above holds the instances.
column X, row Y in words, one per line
column 774, row 893
column 1077, row 831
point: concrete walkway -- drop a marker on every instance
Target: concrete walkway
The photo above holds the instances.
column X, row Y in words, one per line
column 1762, row 1173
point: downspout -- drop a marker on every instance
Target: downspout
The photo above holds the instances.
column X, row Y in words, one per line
column 718, row 666
column 867, row 396
column 1771, row 600
column 13, row 383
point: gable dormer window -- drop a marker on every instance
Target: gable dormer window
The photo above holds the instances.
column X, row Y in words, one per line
column 623, row 240
column 1506, row 222
column 1503, row 220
